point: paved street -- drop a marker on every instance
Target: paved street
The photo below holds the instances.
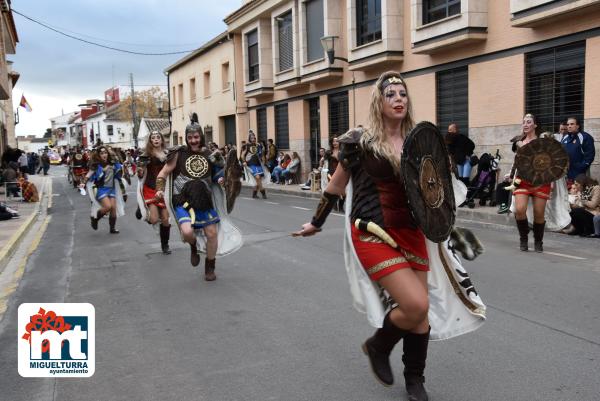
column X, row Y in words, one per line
column 278, row 323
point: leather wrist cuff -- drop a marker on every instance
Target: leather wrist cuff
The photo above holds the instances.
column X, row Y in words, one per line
column 160, row 184
column 325, row 205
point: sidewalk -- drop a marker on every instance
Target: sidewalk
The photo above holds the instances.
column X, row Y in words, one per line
column 480, row 214
column 13, row 230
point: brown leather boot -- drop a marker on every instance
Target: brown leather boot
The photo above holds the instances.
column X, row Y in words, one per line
column 523, row 227
column 415, row 355
column 538, row 236
column 209, row 269
column 379, row 347
column 194, row 257
column 263, row 193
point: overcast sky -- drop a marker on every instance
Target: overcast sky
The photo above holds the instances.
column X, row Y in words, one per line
column 58, row 73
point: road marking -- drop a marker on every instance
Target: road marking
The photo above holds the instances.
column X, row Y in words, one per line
column 49, row 194
column 301, row 208
column 9, row 287
column 338, row 214
column 564, row 256
column 243, row 197
column 272, row 203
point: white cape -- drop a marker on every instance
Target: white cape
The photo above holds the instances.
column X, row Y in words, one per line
column 229, row 236
column 251, row 181
column 453, row 310
column 97, row 206
column 557, row 208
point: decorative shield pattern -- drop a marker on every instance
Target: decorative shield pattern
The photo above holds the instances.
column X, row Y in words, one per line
column 196, row 166
column 233, row 175
column 427, row 178
column 542, row 161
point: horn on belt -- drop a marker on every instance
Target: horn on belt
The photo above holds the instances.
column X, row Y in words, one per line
column 374, row 229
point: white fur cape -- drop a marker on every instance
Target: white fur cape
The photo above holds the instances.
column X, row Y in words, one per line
column 453, row 309
column 229, row 236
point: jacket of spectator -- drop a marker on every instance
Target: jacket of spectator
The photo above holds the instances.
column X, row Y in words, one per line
column 459, row 147
column 580, row 147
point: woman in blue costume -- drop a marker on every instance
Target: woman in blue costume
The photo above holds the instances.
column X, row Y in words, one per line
column 103, row 182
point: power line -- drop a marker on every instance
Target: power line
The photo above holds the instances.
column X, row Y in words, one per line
column 98, row 44
column 114, row 41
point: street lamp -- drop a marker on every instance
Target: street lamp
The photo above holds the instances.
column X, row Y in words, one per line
column 328, row 43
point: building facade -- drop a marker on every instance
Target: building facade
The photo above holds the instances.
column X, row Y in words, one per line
column 107, row 126
column 8, row 77
column 480, row 63
column 203, row 83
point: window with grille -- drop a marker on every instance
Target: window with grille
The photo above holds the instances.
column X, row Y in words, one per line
column 435, row 10
column 554, row 87
column 314, row 30
column 192, row 89
column 368, row 21
column 261, row 124
column 452, row 99
column 282, row 133
column 338, row 114
column 252, row 40
column 286, row 41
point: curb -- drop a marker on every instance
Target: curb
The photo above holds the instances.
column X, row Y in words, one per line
column 466, row 214
column 8, row 250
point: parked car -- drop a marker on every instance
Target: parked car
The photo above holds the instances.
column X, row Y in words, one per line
column 54, row 158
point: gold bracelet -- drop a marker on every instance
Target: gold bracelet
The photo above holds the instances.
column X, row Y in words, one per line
column 160, row 184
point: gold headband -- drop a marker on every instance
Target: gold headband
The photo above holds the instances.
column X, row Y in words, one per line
column 391, row 81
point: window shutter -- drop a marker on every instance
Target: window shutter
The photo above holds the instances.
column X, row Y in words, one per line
column 452, row 99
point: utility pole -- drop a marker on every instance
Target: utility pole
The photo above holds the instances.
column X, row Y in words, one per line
column 133, row 113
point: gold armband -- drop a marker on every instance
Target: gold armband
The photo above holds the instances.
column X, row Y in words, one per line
column 160, row 184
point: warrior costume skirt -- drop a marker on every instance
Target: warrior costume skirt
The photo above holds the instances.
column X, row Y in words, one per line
column 256, row 170
column 380, row 259
column 103, row 192
column 540, row 191
column 150, row 197
column 198, row 219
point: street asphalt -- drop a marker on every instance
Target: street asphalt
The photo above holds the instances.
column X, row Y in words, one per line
column 278, row 323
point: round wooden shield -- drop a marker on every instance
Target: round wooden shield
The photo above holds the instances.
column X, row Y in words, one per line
column 427, row 177
column 233, row 174
column 542, row 161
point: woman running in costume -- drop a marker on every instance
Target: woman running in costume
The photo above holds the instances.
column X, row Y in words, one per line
column 151, row 161
column 390, row 283
column 539, row 194
column 103, row 182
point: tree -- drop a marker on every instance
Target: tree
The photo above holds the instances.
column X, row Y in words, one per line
column 146, row 104
column 48, row 133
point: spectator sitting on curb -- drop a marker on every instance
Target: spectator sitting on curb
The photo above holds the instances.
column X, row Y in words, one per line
column 306, row 185
column 276, row 176
column 292, row 169
column 7, row 213
column 585, row 205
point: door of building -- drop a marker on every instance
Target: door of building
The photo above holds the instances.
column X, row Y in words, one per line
column 230, row 131
column 315, row 131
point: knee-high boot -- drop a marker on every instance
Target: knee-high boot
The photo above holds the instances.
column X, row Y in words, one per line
column 209, row 269
column 378, row 349
column 165, row 232
column 415, row 355
column 538, row 236
column 194, row 257
column 112, row 221
column 523, row 227
column 94, row 220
